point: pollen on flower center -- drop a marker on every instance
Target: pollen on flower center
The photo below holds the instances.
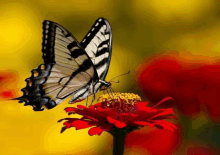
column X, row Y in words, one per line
column 127, row 97
column 123, row 102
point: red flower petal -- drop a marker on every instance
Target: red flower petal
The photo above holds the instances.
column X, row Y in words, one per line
column 107, row 112
column 70, row 109
column 117, row 123
column 166, row 125
column 146, row 113
column 163, row 113
column 144, row 123
column 79, row 124
column 98, row 130
column 95, row 105
column 90, row 118
column 128, row 118
column 142, row 104
column 86, row 112
column 81, row 107
column 149, row 109
column 162, row 101
column 95, row 131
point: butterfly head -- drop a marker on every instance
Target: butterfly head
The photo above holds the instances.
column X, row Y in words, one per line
column 105, row 85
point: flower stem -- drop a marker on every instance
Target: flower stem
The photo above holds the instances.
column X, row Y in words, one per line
column 118, row 143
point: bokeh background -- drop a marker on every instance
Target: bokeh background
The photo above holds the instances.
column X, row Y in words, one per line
column 171, row 47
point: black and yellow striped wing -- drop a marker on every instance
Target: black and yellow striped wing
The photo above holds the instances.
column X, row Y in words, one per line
column 98, row 45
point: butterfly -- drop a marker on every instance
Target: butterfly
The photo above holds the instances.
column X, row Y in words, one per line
column 70, row 67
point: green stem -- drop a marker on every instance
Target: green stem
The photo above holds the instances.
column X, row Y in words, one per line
column 119, row 143
column 119, row 136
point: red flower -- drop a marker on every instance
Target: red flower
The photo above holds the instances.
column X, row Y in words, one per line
column 154, row 141
column 119, row 111
column 200, row 151
column 6, row 89
column 7, row 77
column 192, row 83
column 7, row 94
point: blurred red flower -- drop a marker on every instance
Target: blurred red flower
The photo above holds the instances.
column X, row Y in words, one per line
column 200, row 151
column 121, row 111
column 7, row 94
column 191, row 82
column 7, row 76
column 154, row 141
column 6, row 89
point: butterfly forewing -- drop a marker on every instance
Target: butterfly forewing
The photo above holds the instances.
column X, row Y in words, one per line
column 67, row 69
column 98, row 45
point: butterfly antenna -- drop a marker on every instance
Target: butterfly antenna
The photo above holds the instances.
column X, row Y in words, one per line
column 116, row 81
column 120, row 75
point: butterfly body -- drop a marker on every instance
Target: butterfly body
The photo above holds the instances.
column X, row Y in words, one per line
column 92, row 89
column 70, row 67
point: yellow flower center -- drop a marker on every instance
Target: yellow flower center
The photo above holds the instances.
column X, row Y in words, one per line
column 128, row 98
column 122, row 102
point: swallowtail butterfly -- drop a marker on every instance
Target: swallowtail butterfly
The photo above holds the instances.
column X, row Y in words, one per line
column 70, row 67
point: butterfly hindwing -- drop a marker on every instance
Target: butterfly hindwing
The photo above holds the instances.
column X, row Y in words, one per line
column 67, row 68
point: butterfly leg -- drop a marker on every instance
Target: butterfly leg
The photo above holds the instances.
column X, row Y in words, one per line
column 93, row 99
column 112, row 91
column 86, row 100
column 108, row 93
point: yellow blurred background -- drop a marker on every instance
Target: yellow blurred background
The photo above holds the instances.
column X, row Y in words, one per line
column 140, row 28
